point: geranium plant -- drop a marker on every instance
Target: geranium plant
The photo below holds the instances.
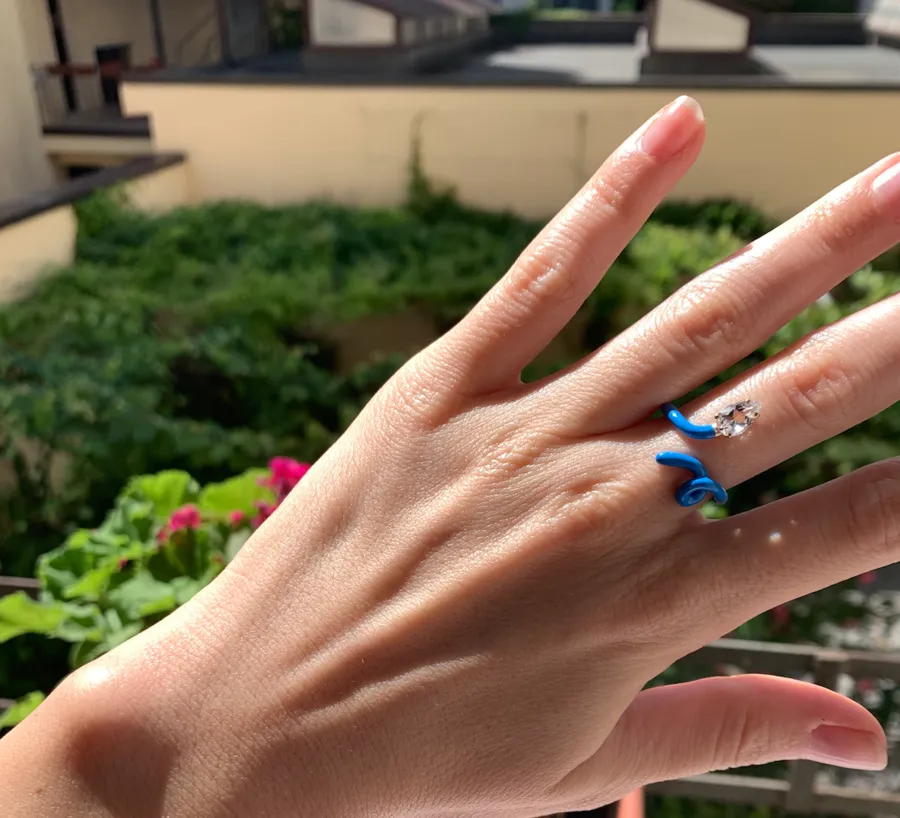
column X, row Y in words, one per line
column 165, row 539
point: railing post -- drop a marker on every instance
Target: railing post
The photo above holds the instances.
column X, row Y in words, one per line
column 801, row 797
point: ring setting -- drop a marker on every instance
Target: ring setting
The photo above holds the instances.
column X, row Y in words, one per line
column 735, row 419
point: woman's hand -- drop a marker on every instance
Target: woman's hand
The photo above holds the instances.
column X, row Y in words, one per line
column 457, row 609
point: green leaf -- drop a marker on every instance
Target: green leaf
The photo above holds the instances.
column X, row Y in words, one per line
column 92, row 584
column 186, row 587
column 19, row 614
column 123, row 634
column 141, row 596
column 22, row 708
column 240, row 493
column 235, row 542
column 167, row 490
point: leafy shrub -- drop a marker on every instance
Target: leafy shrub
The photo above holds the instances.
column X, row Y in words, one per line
column 164, row 540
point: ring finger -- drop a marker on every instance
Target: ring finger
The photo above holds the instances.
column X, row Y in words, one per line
column 826, row 383
column 726, row 313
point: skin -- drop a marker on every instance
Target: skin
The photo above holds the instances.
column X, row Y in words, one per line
column 455, row 612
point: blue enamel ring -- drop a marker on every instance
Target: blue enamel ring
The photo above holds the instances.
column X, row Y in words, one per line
column 733, row 420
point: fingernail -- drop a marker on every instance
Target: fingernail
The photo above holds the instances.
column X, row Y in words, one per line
column 886, row 187
column 845, row 747
column 672, row 128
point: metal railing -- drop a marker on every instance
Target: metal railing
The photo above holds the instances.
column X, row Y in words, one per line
column 86, row 83
column 799, row 793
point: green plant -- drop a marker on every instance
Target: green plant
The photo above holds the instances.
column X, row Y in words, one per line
column 164, row 540
column 286, row 25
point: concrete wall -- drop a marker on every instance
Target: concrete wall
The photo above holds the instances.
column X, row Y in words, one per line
column 23, row 166
column 37, row 37
column 91, row 23
column 345, row 22
column 190, row 29
column 30, row 248
column 526, row 149
column 35, row 245
column 161, row 191
column 694, row 25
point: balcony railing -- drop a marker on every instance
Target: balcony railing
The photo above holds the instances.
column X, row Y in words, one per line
column 93, row 89
column 799, row 793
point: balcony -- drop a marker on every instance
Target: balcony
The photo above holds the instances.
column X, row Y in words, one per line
column 83, row 100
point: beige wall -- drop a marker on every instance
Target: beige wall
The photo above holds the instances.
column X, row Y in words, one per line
column 33, row 247
column 694, row 25
column 346, row 22
column 37, row 35
column 190, row 34
column 28, row 249
column 78, row 149
column 23, row 166
column 90, row 23
column 161, row 191
column 526, row 149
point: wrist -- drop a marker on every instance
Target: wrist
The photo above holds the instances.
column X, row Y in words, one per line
column 187, row 717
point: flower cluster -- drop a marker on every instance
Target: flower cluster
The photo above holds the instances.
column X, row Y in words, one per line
column 182, row 519
column 284, row 474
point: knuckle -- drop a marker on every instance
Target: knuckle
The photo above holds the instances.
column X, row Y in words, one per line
column 510, row 453
column 753, row 739
column 817, row 394
column 701, row 321
column 836, row 233
column 607, row 195
column 740, row 740
column 412, row 395
column 873, row 511
column 546, row 274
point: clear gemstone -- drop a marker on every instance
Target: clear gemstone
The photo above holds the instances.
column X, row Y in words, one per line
column 736, row 419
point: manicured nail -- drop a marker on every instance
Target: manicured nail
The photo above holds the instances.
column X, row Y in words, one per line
column 672, row 128
column 886, row 187
column 845, row 747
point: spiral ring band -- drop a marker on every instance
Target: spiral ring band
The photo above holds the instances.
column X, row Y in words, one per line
column 730, row 422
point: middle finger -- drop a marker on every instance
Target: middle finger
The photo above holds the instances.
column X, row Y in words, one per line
column 831, row 380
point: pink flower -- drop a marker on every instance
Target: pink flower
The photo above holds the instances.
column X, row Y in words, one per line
column 265, row 511
column 236, row 517
column 865, row 686
column 867, row 578
column 182, row 518
column 285, row 474
column 782, row 615
column 185, row 517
